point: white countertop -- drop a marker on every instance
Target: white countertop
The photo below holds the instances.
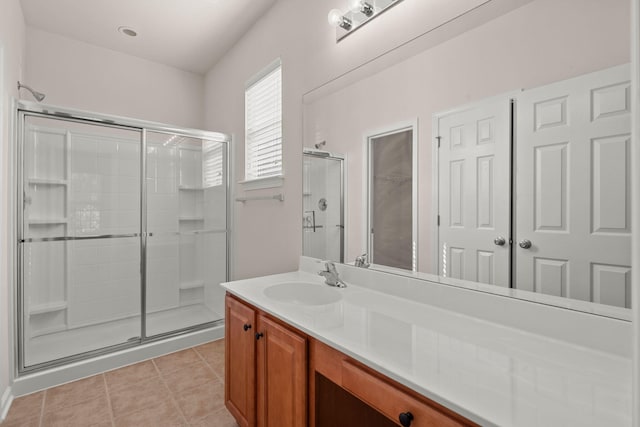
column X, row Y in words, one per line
column 492, row 374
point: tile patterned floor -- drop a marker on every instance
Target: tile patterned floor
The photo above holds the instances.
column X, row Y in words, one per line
column 180, row 389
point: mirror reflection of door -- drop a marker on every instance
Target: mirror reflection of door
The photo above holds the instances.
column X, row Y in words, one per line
column 391, row 218
column 573, row 229
column 570, row 213
column 473, row 197
column 323, row 214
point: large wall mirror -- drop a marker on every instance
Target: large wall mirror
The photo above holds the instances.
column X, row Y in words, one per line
column 522, row 171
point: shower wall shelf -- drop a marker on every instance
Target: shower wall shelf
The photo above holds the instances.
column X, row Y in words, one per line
column 46, row 204
column 192, row 285
column 191, row 218
column 47, row 307
column 45, row 181
column 192, row 193
column 45, row 221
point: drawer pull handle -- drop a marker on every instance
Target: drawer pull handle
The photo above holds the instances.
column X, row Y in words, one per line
column 405, row 419
column 246, row 327
column 259, row 335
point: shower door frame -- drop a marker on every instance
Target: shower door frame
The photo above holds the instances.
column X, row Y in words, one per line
column 23, row 109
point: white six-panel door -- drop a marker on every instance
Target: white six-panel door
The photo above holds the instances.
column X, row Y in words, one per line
column 572, row 188
column 474, row 186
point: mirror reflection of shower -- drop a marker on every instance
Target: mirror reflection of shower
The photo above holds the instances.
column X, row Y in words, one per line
column 323, row 215
column 39, row 96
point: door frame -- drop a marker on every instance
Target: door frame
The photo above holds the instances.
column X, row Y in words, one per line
column 367, row 195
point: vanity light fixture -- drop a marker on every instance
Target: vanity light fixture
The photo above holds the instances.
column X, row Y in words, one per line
column 359, row 13
column 337, row 19
column 361, row 6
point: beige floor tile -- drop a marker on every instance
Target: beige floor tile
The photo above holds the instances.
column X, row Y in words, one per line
column 138, row 396
column 174, row 361
column 93, row 412
column 213, row 354
column 76, row 392
column 158, row 415
column 124, row 377
column 220, row 418
column 24, row 407
column 192, row 376
column 213, row 346
column 199, row 402
column 22, row 422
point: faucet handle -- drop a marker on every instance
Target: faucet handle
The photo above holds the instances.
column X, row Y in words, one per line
column 330, row 266
column 361, row 261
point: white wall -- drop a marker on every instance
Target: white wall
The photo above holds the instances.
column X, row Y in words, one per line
column 268, row 234
column 477, row 64
column 79, row 75
column 12, row 40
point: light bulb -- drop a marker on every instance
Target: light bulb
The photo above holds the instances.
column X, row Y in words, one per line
column 335, row 17
column 355, row 5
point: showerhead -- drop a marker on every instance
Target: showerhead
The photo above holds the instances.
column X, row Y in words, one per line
column 39, row 96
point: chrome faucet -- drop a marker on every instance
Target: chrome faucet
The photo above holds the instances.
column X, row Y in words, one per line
column 331, row 275
column 361, row 261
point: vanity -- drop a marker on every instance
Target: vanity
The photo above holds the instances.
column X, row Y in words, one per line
column 391, row 350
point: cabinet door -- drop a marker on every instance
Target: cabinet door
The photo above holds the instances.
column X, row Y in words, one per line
column 282, row 376
column 239, row 390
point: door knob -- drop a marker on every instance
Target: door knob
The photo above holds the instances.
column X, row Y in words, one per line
column 524, row 244
column 246, row 327
column 499, row 241
column 259, row 335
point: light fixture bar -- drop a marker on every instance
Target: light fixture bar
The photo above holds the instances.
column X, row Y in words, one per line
column 360, row 12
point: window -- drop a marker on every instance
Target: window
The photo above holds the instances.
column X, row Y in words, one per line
column 263, row 124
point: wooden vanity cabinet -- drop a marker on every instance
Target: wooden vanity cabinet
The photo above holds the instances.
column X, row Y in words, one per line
column 398, row 404
column 282, row 376
column 273, row 373
column 265, row 369
column 240, row 362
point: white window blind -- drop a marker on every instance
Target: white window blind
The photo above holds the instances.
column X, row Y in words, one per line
column 263, row 125
column 212, row 163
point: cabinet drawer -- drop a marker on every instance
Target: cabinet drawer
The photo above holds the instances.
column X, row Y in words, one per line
column 392, row 401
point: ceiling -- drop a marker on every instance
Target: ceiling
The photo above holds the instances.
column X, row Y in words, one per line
column 187, row 34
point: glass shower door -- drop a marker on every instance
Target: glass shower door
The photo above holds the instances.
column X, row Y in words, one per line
column 187, row 231
column 79, row 238
column 323, row 217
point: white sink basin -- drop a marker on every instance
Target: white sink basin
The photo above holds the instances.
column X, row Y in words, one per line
column 303, row 293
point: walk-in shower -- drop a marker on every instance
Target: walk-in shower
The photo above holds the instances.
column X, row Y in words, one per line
column 122, row 231
column 323, row 205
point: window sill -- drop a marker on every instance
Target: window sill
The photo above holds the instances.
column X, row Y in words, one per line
column 261, row 183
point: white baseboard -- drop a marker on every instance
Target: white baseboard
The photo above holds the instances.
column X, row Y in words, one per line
column 5, row 403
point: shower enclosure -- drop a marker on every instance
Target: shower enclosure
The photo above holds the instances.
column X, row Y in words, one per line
column 122, row 233
column 323, row 205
